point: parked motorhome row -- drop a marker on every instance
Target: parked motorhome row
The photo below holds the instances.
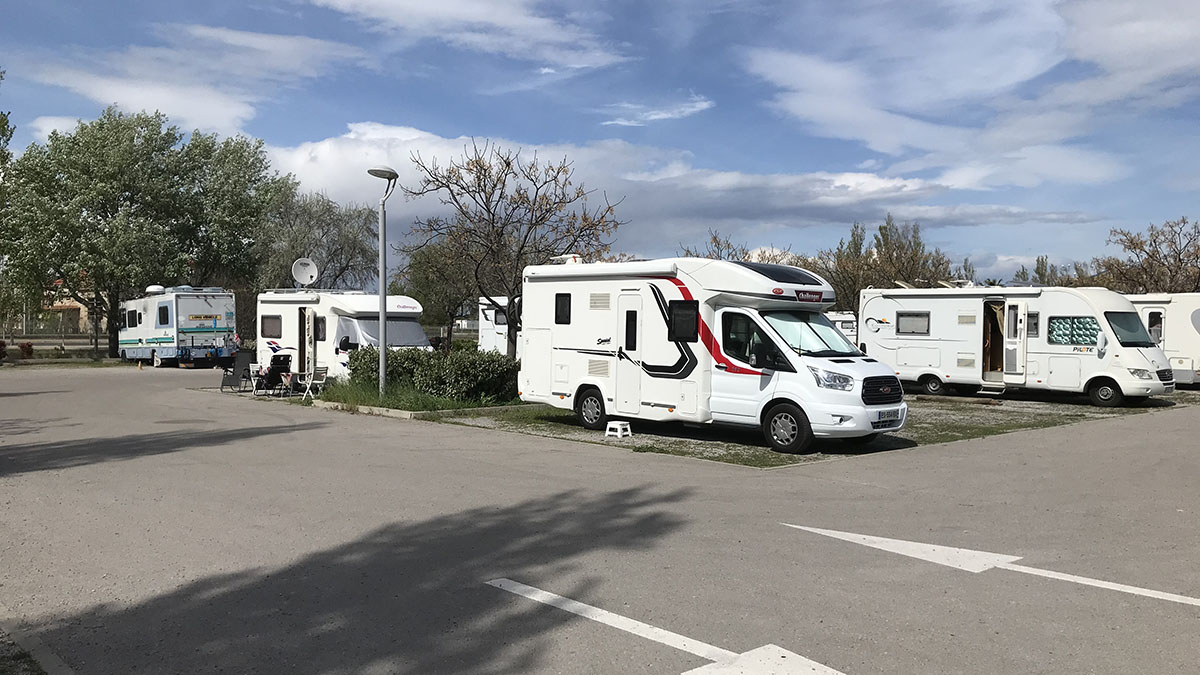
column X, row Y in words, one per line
column 322, row 327
column 1173, row 321
column 992, row 339
column 702, row 341
column 180, row 324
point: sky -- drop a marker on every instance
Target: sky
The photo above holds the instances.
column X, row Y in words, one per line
column 1007, row 129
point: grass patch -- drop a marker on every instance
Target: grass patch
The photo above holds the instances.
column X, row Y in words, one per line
column 398, row 398
column 931, row 419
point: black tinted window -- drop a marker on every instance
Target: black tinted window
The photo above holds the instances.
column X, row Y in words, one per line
column 683, row 324
column 562, row 308
column 272, row 326
column 164, row 315
column 782, row 273
column 631, row 330
column 319, row 328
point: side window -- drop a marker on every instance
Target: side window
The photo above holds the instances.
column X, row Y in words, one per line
column 502, row 317
column 121, row 320
column 272, row 326
column 164, row 316
column 562, row 308
column 683, row 321
column 1154, row 324
column 1072, row 330
column 1010, row 323
column 912, row 323
column 631, row 326
column 319, row 328
column 139, row 319
column 743, row 340
column 1032, row 329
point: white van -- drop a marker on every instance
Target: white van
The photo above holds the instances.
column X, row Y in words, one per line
column 1173, row 321
column 702, row 341
column 845, row 322
column 321, row 328
column 180, row 324
column 992, row 339
column 493, row 326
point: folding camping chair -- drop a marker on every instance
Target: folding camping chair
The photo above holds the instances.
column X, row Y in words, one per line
column 277, row 378
column 313, row 383
column 237, row 376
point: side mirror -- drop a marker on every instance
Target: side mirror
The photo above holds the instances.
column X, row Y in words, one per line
column 1101, row 343
column 346, row 345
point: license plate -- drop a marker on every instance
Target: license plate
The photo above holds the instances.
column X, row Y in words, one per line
column 885, row 415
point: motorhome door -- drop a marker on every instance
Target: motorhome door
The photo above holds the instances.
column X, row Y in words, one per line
column 307, row 342
column 629, row 354
column 1015, row 316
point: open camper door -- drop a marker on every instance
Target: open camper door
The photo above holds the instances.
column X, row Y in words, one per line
column 308, row 341
column 1016, row 314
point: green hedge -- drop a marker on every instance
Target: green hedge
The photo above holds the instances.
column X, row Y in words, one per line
column 465, row 375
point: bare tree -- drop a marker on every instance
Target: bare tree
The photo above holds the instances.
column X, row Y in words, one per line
column 506, row 213
column 721, row 247
column 1163, row 259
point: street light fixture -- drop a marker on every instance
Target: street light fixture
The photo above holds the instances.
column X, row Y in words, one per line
column 389, row 174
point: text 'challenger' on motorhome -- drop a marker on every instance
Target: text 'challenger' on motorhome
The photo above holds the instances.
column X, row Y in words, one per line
column 703, row 341
column 989, row 338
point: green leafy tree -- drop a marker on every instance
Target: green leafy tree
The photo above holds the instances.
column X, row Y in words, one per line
column 849, row 268
column 965, row 271
column 440, row 280
column 1021, row 276
column 506, row 212
column 901, row 255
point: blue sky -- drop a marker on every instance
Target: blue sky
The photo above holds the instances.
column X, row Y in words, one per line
column 1008, row 129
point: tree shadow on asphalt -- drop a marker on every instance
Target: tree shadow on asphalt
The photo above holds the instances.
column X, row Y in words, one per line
column 21, row 427
column 14, row 394
column 407, row 597
column 27, row 457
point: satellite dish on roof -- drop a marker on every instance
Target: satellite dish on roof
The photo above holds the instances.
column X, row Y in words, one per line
column 304, row 271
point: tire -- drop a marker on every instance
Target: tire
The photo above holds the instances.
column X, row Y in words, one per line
column 931, row 385
column 861, row 441
column 591, row 410
column 785, row 427
column 1105, row 393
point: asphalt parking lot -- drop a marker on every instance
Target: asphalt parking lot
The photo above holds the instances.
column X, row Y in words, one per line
column 147, row 527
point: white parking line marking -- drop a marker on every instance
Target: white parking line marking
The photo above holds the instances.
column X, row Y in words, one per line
column 766, row 660
column 982, row 561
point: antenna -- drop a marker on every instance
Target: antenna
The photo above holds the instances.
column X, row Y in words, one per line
column 304, row 271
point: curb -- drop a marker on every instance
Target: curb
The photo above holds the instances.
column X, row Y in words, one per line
column 48, row 660
column 409, row 414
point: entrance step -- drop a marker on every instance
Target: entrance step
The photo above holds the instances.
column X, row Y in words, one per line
column 992, row 389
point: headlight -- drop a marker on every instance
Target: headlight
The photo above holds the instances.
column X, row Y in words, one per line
column 830, row 380
column 1140, row 373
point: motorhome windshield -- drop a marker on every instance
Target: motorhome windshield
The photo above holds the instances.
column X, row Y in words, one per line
column 810, row 333
column 400, row 332
column 1129, row 329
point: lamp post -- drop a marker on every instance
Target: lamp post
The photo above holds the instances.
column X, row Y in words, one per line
column 389, row 174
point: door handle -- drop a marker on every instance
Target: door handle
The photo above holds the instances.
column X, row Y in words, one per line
column 722, row 366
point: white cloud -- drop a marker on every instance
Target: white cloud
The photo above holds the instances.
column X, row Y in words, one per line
column 512, row 28
column 666, row 199
column 990, row 95
column 203, row 77
column 639, row 115
column 43, row 126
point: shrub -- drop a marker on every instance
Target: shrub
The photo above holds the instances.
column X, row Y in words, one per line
column 26, row 349
column 466, row 375
column 3, row 350
column 463, row 344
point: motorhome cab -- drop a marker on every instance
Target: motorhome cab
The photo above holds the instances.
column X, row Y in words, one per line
column 702, row 341
column 180, row 324
column 1173, row 321
column 493, row 326
column 321, row 328
column 991, row 339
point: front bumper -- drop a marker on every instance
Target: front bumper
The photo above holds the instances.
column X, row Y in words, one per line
column 849, row 421
column 1147, row 387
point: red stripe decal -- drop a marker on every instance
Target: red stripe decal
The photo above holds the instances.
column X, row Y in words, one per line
column 707, row 337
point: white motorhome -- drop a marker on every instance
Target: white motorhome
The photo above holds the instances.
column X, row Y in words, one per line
column 322, row 327
column 701, row 341
column 845, row 322
column 179, row 324
column 1173, row 321
column 493, row 326
column 992, row 339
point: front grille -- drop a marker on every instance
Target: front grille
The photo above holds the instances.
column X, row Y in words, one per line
column 882, row 390
column 1166, row 375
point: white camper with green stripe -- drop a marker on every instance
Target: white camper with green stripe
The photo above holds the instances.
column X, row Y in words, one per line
column 179, row 324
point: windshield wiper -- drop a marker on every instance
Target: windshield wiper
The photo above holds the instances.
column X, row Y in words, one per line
column 822, row 353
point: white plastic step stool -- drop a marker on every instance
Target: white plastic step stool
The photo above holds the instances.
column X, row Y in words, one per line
column 618, row 429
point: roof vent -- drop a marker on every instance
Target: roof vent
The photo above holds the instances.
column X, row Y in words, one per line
column 155, row 289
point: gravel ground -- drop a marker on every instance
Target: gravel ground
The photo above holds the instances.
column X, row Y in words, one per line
column 931, row 419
